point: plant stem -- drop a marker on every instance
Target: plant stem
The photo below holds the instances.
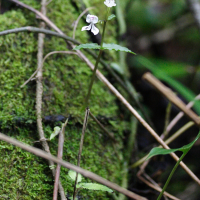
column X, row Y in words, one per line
column 93, row 77
column 97, row 61
column 171, row 174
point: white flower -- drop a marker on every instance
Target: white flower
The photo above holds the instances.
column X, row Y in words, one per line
column 92, row 19
column 110, row 3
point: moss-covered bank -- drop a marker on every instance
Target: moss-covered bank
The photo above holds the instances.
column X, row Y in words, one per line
column 66, row 77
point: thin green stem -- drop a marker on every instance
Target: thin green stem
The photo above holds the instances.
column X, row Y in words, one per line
column 171, row 174
column 97, row 61
column 93, row 77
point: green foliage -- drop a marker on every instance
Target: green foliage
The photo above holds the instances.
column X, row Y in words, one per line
column 160, row 151
column 94, row 186
column 55, row 132
column 105, row 47
column 72, row 175
column 89, row 186
column 111, row 17
column 22, row 174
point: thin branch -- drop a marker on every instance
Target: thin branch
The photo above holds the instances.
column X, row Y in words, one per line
column 171, row 96
column 42, row 16
column 68, row 165
column 159, row 189
column 111, row 135
column 60, row 155
column 81, row 147
column 38, row 30
column 181, row 114
column 76, row 22
column 39, row 92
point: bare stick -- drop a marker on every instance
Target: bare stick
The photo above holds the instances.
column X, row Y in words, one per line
column 159, row 189
column 39, row 91
column 169, row 94
column 60, row 154
column 111, row 135
column 118, row 95
column 81, row 147
column 76, row 22
column 180, row 115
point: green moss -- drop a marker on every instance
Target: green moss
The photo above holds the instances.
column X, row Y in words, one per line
column 66, row 78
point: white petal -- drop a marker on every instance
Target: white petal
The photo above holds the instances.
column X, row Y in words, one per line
column 88, row 18
column 94, row 30
column 94, row 19
column 110, row 3
column 87, row 28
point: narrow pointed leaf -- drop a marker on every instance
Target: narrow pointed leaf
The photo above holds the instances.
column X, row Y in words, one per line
column 111, row 17
column 116, row 47
column 160, row 151
column 94, row 186
column 87, row 46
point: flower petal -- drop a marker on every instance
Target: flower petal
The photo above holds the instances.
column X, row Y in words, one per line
column 110, row 3
column 88, row 18
column 94, row 19
column 86, row 28
column 94, row 30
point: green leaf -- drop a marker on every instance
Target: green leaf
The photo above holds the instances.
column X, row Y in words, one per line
column 55, row 132
column 160, row 151
column 94, row 186
column 105, row 46
column 111, row 17
column 87, row 46
column 116, row 47
column 117, row 68
column 72, row 175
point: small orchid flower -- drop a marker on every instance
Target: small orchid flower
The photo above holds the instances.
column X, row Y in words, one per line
column 110, row 3
column 92, row 19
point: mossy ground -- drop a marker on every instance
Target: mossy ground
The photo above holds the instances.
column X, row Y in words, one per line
column 66, row 78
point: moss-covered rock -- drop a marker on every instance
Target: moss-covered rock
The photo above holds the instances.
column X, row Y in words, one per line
column 65, row 81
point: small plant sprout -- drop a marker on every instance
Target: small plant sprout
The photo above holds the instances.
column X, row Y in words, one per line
column 89, row 186
column 92, row 19
column 55, row 132
column 110, row 3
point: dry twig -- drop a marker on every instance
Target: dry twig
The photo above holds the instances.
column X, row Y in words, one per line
column 39, row 91
column 60, row 154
